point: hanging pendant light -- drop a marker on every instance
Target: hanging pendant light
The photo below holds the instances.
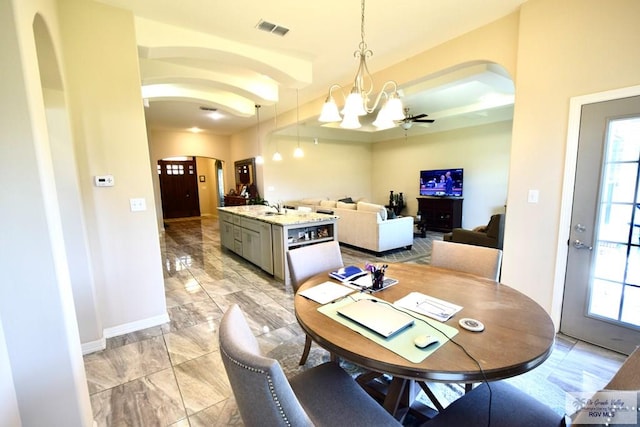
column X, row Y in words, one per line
column 298, row 153
column 276, row 156
column 357, row 103
column 259, row 158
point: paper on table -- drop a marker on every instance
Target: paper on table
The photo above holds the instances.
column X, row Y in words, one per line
column 429, row 306
column 326, row 292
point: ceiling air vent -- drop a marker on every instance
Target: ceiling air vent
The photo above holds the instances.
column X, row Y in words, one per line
column 272, row 28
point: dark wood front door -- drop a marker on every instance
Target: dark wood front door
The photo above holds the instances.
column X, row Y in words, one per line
column 179, row 188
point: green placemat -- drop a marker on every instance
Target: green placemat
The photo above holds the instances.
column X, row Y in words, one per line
column 401, row 343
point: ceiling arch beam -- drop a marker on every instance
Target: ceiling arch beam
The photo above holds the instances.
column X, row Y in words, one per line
column 162, row 41
column 228, row 101
column 260, row 89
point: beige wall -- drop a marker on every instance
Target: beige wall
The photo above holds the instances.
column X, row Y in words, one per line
column 72, row 217
column 566, row 48
column 329, row 169
column 107, row 117
column 207, row 191
column 482, row 151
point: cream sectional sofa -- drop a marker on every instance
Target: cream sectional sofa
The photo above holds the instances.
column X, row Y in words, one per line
column 364, row 225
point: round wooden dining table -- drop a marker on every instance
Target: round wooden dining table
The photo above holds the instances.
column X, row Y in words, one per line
column 518, row 335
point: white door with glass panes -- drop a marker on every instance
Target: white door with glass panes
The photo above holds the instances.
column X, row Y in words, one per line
column 601, row 301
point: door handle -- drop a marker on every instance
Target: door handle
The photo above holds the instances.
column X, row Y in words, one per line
column 578, row 244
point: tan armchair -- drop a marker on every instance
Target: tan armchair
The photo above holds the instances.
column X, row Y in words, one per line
column 491, row 236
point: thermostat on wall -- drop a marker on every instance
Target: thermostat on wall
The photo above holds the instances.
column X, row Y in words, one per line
column 104, row 180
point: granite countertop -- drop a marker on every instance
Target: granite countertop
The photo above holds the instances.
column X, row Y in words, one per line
column 268, row 214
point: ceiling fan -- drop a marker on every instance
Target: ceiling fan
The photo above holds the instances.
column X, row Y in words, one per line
column 409, row 119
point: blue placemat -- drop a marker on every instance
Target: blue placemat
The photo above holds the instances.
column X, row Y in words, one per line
column 401, row 343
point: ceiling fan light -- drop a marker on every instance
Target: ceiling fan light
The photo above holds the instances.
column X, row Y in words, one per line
column 350, row 121
column 406, row 125
column 354, row 105
column 394, row 108
column 329, row 111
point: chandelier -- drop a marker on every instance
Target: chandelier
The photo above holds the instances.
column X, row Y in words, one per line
column 357, row 103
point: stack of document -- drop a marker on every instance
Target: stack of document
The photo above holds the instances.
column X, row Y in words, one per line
column 428, row 306
column 348, row 274
column 326, row 292
column 357, row 278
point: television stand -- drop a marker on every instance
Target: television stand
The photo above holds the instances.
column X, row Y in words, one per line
column 439, row 214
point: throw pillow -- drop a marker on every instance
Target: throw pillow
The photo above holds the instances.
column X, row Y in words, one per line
column 346, row 200
column 372, row 207
column 349, row 206
column 390, row 214
column 310, row 202
column 328, row 203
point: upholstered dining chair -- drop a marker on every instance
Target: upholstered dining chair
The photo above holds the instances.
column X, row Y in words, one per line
column 307, row 261
column 478, row 260
column 512, row 407
column 503, row 405
column 324, row 395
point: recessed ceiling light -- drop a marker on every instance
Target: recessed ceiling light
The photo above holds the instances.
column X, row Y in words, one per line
column 177, row 159
column 213, row 113
column 195, row 129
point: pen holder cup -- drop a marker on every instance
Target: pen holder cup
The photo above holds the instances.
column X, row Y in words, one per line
column 378, row 279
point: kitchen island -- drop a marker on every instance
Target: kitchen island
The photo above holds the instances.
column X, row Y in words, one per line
column 262, row 235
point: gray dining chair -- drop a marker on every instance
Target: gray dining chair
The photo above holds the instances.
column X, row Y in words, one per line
column 510, row 406
column 307, row 261
column 502, row 406
column 324, row 395
column 478, row 260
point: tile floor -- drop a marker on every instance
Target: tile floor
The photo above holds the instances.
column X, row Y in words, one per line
column 172, row 375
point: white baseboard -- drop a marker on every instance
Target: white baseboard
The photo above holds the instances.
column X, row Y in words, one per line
column 101, row 344
column 136, row 326
column 93, row 346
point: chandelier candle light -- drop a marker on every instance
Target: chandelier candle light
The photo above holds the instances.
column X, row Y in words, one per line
column 357, row 103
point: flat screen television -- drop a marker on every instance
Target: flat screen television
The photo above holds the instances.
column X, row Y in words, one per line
column 441, row 182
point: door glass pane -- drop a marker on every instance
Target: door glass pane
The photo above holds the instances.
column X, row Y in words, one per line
column 605, row 299
column 620, row 183
column 624, row 140
column 633, row 266
column 631, row 306
column 615, row 221
column 617, row 254
column 610, row 261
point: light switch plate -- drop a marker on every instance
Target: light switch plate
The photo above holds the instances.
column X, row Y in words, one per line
column 138, row 205
column 534, row 196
